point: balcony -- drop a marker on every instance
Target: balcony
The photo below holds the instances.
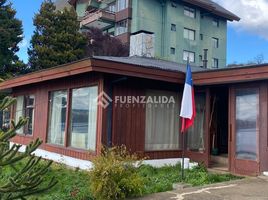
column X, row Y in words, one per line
column 101, row 19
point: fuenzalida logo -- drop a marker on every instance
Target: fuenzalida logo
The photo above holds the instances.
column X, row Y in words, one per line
column 104, row 100
column 144, row 100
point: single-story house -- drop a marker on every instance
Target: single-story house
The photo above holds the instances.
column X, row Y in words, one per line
column 135, row 101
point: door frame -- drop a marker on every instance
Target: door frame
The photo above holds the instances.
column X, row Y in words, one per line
column 240, row 166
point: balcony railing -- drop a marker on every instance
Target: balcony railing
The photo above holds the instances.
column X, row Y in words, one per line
column 100, row 19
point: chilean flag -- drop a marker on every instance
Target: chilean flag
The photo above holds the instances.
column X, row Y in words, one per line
column 188, row 103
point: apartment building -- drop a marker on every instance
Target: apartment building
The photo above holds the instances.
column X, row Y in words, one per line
column 173, row 30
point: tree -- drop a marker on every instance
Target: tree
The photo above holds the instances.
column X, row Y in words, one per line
column 28, row 177
column 56, row 39
column 102, row 44
column 259, row 59
column 10, row 36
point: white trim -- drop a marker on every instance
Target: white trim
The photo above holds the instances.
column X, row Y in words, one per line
column 67, row 160
column 87, row 165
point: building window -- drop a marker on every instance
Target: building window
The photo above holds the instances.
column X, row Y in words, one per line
column 121, row 5
column 57, row 117
column 195, row 135
column 5, row 119
column 111, row 7
column 82, row 124
column 190, row 12
column 189, row 34
column 215, row 63
column 25, row 108
column 215, row 22
column 173, row 27
column 121, row 27
column 162, row 122
column 190, row 55
column 201, row 37
column 215, row 42
column 172, row 51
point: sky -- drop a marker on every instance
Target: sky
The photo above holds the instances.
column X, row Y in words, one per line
column 246, row 39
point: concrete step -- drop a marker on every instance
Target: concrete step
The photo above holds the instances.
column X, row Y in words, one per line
column 221, row 160
column 218, row 170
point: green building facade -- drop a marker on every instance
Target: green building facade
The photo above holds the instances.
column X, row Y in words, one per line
column 181, row 29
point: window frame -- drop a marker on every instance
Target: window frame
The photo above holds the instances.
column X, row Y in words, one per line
column 188, row 34
column 213, row 63
column 172, row 50
column 189, row 12
column 173, row 27
column 66, row 144
column 185, row 51
column 25, row 131
column 121, row 5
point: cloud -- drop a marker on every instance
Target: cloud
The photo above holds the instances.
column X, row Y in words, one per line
column 253, row 14
column 23, row 43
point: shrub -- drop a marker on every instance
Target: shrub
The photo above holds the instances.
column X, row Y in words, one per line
column 115, row 175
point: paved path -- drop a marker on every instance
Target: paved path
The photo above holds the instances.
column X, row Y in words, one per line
column 246, row 189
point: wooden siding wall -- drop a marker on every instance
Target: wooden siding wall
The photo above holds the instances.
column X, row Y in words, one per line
column 128, row 126
column 41, row 92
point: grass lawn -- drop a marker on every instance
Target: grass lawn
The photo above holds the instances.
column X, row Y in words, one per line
column 74, row 184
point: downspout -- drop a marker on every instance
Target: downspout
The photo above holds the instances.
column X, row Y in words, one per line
column 110, row 111
column 163, row 5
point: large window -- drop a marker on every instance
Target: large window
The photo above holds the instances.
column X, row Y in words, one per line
column 195, row 134
column 189, row 12
column 57, row 117
column 162, row 122
column 121, row 4
column 25, row 109
column 189, row 34
column 190, row 55
column 246, row 124
column 121, row 27
column 82, row 113
column 83, row 124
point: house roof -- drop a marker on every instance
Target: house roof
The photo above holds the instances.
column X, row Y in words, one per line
column 214, row 8
column 147, row 68
column 150, row 63
column 205, row 4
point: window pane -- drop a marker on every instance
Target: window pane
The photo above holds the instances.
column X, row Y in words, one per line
column 247, row 115
column 57, row 117
column 29, row 113
column 195, row 134
column 84, row 118
column 19, row 111
column 185, row 33
column 162, row 122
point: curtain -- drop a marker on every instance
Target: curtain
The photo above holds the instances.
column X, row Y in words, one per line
column 195, row 134
column 92, row 119
column 162, row 123
column 19, row 111
column 57, row 117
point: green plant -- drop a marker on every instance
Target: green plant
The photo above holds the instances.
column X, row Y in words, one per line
column 21, row 174
column 115, row 175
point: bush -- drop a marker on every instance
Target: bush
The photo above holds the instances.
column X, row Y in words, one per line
column 115, row 175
